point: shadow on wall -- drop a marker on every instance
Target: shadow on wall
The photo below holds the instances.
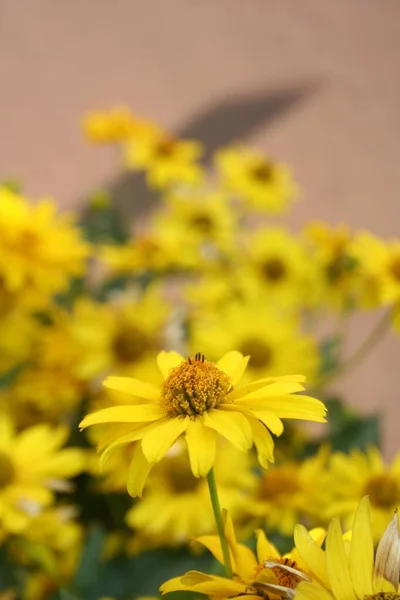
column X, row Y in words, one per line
column 232, row 119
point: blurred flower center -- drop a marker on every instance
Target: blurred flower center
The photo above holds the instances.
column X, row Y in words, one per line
column 7, row 470
column 395, row 268
column 203, row 223
column 165, row 148
column 276, row 482
column 193, row 387
column 263, row 172
column 27, row 243
column 383, row 596
column 180, row 476
column 129, row 344
column 273, row 269
column 383, row 490
column 260, row 353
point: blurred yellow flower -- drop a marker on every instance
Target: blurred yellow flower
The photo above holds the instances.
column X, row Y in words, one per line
column 271, row 338
column 264, row 185
column 356, row 474
column 115, row 125
column 33, row 465
column 39, row 250
column 181, row 501
column 277, row 264
column 166, row 160
column 290, row 493
column 201, row 400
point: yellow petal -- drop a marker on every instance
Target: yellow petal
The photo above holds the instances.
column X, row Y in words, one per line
column 174, row 585
column 245, row 389
column 127, row 438
column 231, row 425
column 124, row 414
column 265, row 550
column 213, row 544
column 201, row 447
column 233, row 364
column 362, row 551
column 312, row 591
column 263, row 442
column 159, row 438
column 337, row 565
column 243, row 557
column 212, row 584
column 167, row 361
column 274, row 389
column 138, row 472
column 269, row 419
column 290, row 407
column 311, row 554
column 133, row 387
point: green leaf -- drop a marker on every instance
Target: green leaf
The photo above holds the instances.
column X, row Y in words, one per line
column 90, row 563
column 329, row 350
column 358, row 433
column 102, row 222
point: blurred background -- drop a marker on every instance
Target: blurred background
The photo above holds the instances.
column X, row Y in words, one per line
column 312, row 83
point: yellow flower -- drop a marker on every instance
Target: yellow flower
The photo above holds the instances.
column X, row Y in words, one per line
column 18, row 332
column 32, row 466
column 181, row 501
column 347, row 570
column 379, row 269
column 115, row 125
column 332, row 250
column 166, row 160
column 199, row 399
column 120, row 337
column 261, row 183
column 39, row 250
column 278, row 266
column 272, row 339
column 255, row 576
column 203, row 218
column 354, row 475
column 290, row 493
column 156, row 250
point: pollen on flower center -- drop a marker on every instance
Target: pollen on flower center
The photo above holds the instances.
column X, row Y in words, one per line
column 286, row 571
column 383, row 596
column 7, row 470
column 194, row 387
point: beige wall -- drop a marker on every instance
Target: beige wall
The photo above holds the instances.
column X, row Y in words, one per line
column 314, row 82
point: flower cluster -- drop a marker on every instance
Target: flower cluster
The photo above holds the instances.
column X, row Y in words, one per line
column 186, row 347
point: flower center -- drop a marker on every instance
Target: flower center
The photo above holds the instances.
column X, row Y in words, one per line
column 179, row 475
column 260, row 354
column 263, row 172
column 383, row 490
column 273, row 269
column 284, row 577
column 7, row 470
column 194, row 387
column 276, row 482
column 383, row 596
column 165, row 148
column 394, row 267
column 129, row 344
column 203, row 223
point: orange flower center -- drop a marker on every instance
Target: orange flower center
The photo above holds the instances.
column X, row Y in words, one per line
column 7, row 470
column 194, row 387
column 383, row 490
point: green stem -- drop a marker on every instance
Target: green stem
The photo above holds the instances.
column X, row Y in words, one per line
column 353, row 361
column 212, row 487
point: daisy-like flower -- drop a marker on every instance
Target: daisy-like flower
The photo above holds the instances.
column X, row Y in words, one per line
column 348, row 569
column 357, row 474
column 256, row 576
column 200, row 400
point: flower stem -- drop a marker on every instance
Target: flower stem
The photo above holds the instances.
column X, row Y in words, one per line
column 353, row 361
column 212, row 487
